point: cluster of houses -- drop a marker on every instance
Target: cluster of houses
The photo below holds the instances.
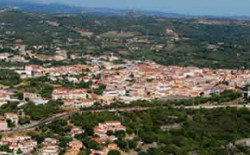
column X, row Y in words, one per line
column 102, row 129
column 12, row 117
column 105, row 150
column 50, row 146
column 74, row 148
column 25, row 144
column 5, row 96
column 127, row 81
column 19, row 143
column 136, row 80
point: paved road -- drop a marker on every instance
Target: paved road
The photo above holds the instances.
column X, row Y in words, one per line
column 12, row 68
column 54, row 118
column 214, row 106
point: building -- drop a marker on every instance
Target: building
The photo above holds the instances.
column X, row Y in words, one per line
column 83, row 103
column 24, row 143
column 2, row 102
column 3, row 123
column 49, row 150
column 102, row 129
column 105, row 150
column 33, row 71
column 12, row 117
column 246, row 94
column 50, row 141
column 74, row 147
column 31, row 96
column 74, row 131
column 69, row 94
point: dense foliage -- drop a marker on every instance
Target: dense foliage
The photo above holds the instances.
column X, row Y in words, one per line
column 9, row 77
column 37, row 112
column 10, row 107
column 191, row 42
column 39, row 85
column 200, row 131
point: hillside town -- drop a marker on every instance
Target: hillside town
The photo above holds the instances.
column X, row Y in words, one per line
column 129, row 81
column 122, row 83
column 110, row 80
column 23, row 144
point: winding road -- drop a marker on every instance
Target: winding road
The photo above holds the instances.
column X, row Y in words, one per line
column 57, row 117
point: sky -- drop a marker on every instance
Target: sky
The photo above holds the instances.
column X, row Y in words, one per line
column 189, row 7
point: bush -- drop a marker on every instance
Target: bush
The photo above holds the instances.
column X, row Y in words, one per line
column 37, row 112
column 9, row 77
column 114, row 152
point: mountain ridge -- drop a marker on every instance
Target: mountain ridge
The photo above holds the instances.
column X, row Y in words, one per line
column 63, row 8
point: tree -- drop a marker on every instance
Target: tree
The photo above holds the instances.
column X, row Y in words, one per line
column 114, row 152
column 89, row 131
column 120, row 133
column 83, row 137
column 9, row 77
column 132, row 144
column 23, row 120
column 121, row 143
column 37, row 112
column 110, row 132
column 10, row 123
column 19, row 151
column 20, row 96
column 5, row 148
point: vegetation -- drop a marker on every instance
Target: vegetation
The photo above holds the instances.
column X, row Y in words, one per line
column 10, row 107
column 5, row 148
column 24, row 120
column 9, row 77
column 39, row 85
column 114, row 152
column 202, row 131
column 37, row 112
column 189, row 42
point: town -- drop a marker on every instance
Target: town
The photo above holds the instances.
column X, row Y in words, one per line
column 109, row 82
column 128, row 83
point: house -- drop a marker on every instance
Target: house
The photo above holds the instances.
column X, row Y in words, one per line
column 12, row 117
column 69, row 94
column 115, row 92
column 31, row 96
column 33, row 71
column 75, row 130
column 83, row 103
column 246, row 93
column 243, row 142
column 27, row 146
column 3, row 124
column 5, row 95
column 102, row 129
column 8, row 140
column 50, row 141
column 74, row 147
column 78, row 103
column 2, row 102
column 24, row 143
column 105, row 150
column 49, row 150
column 68, row 103
column 4, row 56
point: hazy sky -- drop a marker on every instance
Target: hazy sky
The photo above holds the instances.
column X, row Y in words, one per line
column 193, row 7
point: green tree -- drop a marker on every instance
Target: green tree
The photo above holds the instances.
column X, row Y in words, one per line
column 114, row 152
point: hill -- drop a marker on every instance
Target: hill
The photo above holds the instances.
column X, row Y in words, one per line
column 216, row 43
